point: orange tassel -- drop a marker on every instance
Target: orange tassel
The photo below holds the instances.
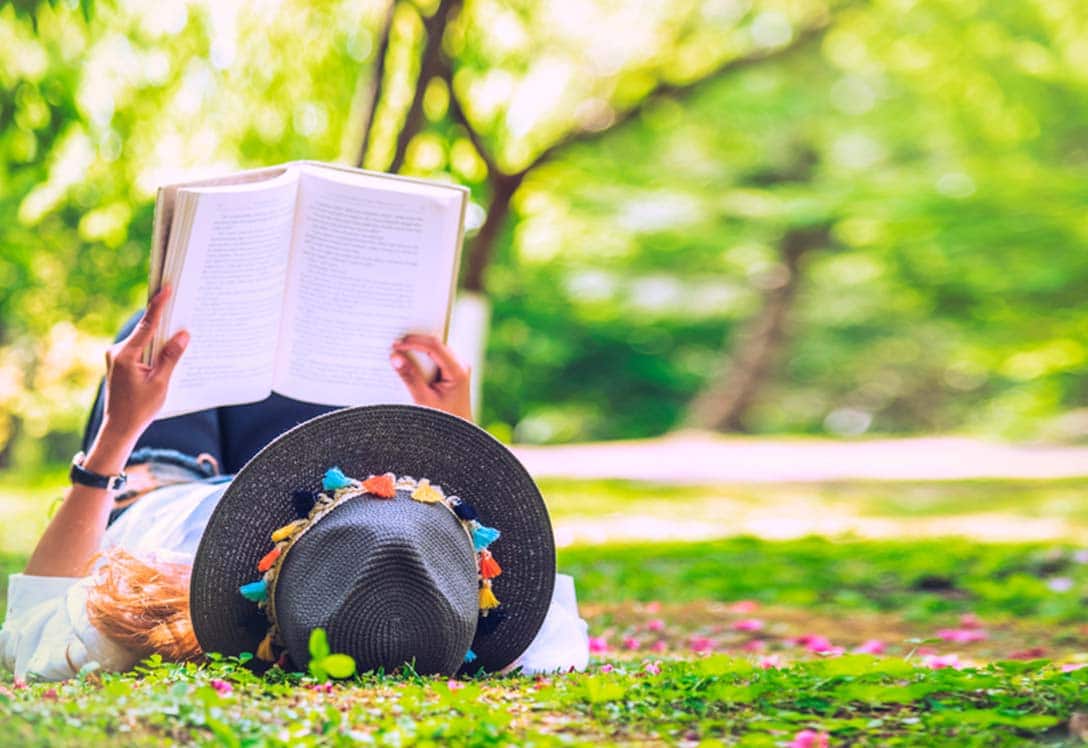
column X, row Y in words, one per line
column 384, row 486
column 489, row 567
column 269, row 558
column 487, row 597
column 264, row 649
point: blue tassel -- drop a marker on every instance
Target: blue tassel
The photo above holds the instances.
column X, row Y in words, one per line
column 470, row 656
column 255, row 591
column 335, row 478
column 482, row 536
column 304, row 501
column 464, row 511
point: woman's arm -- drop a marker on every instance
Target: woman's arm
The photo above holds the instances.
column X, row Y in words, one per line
column 134, row 394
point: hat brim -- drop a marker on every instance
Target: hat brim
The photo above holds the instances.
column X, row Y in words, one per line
column 404, row 439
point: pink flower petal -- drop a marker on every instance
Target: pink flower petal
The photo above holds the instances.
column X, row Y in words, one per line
column 653, row 668
column 871, row 647
column 770, row 661
column 744, row 607
column 631, row 643
column 598, row 644
column 939, row 662
column 754, row 645
column 655, row 624
column 50, row 694
column 659, row 646
column 810, row 739
column 814, row 643
column 454, row 684
column 1069, row 667
column 748, row 624
column 222, row 687
column 970, row 621
column 652, row 607
column 962, row 636
column 701, row 644
column 606, row 668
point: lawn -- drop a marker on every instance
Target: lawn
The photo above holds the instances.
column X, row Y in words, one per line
column 739, row 640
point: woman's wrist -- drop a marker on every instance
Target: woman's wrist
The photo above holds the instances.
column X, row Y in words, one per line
column 111, row 449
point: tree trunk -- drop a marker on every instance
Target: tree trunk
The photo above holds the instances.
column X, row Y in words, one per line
column 724, row 404
column 483, row 245
column 376, row 84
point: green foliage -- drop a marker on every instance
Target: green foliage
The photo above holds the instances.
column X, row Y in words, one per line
column 856, row 699
column 324, row 664
column 919, row 578
column 941, row 141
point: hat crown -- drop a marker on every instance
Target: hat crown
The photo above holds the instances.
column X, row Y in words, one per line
column 391, row 581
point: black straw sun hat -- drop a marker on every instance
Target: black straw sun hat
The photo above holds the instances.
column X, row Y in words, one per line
column 395, row 568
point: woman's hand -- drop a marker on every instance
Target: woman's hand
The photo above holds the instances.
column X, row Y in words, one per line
column 449, row 390
column 135, row 392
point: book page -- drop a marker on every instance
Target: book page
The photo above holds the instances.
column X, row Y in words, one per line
column 229, row 293
column 369, row 264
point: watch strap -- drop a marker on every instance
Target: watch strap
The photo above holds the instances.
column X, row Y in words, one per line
column 84, row 477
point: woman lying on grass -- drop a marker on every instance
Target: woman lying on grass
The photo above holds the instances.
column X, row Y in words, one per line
column 324, row 528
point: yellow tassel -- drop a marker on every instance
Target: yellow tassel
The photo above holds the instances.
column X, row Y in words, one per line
column 287, row 530
column 264, row 649
column 487, row 597
column 427, row 493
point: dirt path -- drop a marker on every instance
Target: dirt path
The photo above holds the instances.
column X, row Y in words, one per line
column 695, row 458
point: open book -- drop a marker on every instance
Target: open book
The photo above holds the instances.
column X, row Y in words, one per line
column 297, row 279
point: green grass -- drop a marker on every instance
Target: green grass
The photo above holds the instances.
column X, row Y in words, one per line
column 655, row 600
column 856, row 699
column 918, row 579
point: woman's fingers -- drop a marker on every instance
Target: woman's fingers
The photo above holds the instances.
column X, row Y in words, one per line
column 410, row 374
column 134, row 346
column 438, row 352
column 170, row 355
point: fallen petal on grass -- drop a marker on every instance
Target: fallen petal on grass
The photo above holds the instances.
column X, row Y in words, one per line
column 810, row 739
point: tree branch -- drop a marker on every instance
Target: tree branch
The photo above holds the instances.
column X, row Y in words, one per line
column 430, row 66
column 377, row 82
column 458, row 113
column 666, row 90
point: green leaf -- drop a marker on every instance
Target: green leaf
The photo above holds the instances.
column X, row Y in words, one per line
column 339, row 665
column 319, row 644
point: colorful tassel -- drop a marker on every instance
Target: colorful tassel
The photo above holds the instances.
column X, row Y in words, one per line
column 384, row 486
column 464, row 511
column 470, row 656
column 304, row 502
column 482, row 536
column 335, row 478
column 264, row 649
column 487, row 597
column 427, row 493
column 489, row 567
column 269, row 558
column 255, row 591
column 488, row 621
column 287, row 530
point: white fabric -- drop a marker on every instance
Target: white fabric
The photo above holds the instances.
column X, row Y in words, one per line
column 47, row 635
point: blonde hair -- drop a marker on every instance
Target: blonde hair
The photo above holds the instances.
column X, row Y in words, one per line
column 143, row 605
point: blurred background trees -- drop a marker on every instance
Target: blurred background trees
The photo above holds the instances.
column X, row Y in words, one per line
column 806, row 216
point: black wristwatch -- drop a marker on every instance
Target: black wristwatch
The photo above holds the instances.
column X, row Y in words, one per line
column 82, row 476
